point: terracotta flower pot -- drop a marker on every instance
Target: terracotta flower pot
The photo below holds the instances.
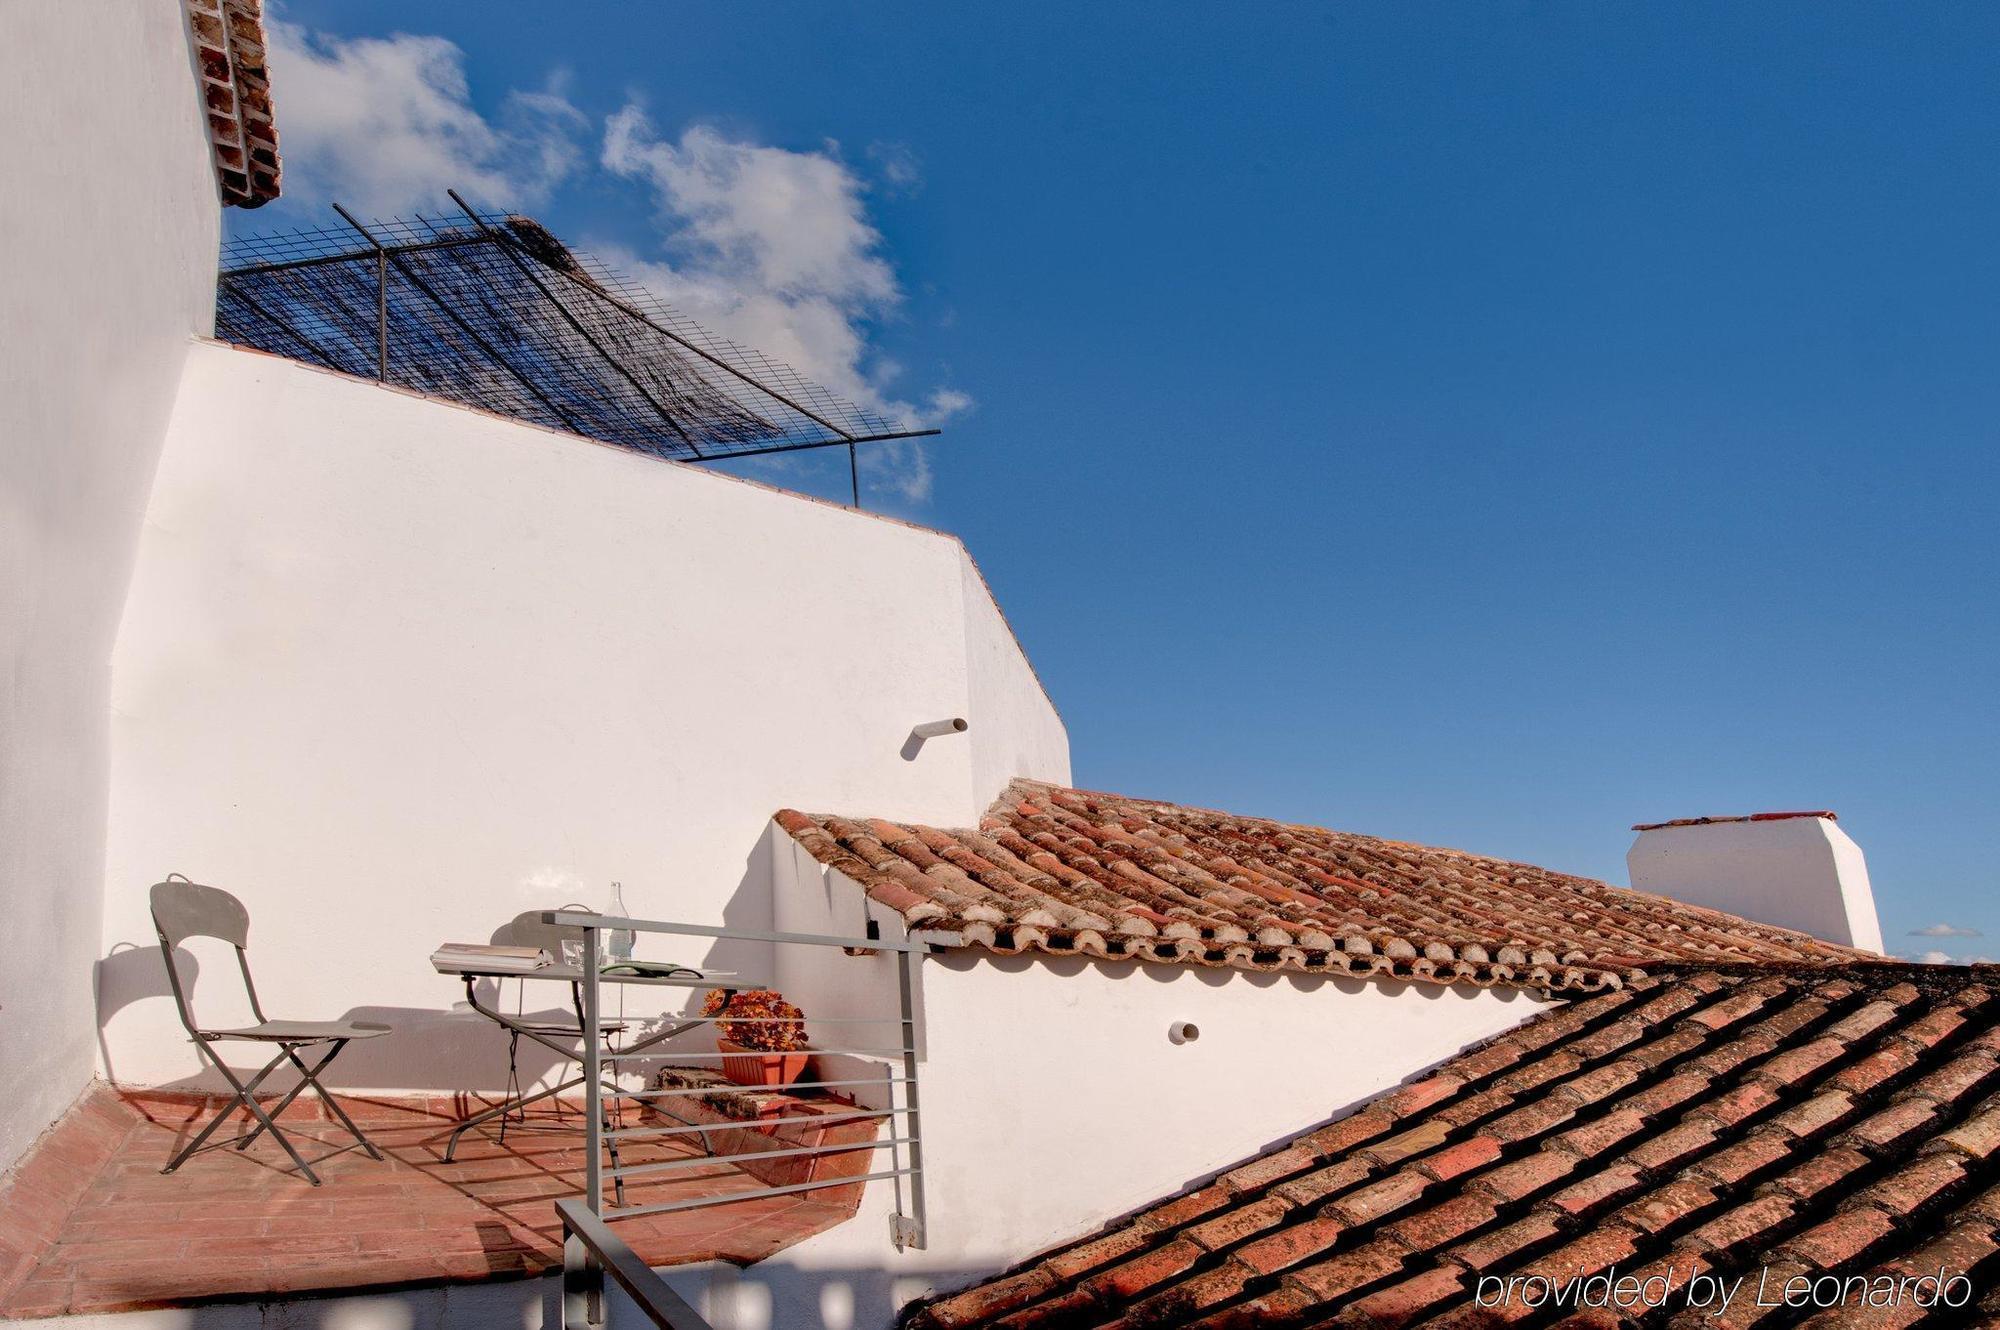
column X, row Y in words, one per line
column 754, row 1066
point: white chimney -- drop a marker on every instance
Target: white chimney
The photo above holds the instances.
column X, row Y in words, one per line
column 1796, row 870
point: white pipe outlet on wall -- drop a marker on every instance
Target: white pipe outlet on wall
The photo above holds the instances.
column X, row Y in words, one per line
column 931, row 729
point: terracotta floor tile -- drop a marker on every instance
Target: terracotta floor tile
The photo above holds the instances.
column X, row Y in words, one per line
column 234, row 1222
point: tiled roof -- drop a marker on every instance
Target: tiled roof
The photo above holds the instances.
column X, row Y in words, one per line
column 229, row 46
column 1068, row 871
column 1806, row 1121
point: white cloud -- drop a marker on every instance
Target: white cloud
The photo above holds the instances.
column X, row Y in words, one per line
column 1946, row 930
column 898, row 165
column 1934, row 958
column 386, row 124
column 774, row 249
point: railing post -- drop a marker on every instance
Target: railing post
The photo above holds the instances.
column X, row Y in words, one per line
column 912, row 1233
column 593, row 1088
column 591, row 1252
column 582, row 1284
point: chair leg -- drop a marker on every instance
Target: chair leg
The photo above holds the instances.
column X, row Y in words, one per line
column 327, row 1098
column 277, row 1110
column 246, row 1097
column 310, row 1076
column 513, row 1090
column 283, row 1139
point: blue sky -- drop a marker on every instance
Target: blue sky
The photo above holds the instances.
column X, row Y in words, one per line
column 1489, row 425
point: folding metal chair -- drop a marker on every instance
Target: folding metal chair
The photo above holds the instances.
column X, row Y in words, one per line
column 184, row 909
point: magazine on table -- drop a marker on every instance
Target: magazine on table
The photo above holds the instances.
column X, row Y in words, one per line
column 484, row 956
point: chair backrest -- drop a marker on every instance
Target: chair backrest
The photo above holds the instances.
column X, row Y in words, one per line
column 184, row 909
column 527, row 930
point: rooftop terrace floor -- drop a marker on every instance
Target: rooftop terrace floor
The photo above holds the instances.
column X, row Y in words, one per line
column 88, row 1223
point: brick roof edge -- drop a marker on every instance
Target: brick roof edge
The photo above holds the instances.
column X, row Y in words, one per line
column 229, row 48
column 1824, row 814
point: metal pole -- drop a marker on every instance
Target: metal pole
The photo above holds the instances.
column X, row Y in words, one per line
column 823, row 443
column 381, row 315
column 854, row 473
column 381, row 294
column 520, row 264
column 593, row 1089
column 444, row 307
column 709, row 356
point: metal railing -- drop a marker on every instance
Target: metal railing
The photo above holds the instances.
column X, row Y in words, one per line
column 903, row 1140
column 590, row 1251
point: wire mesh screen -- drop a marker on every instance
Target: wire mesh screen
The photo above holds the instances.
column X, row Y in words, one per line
column 493, row 311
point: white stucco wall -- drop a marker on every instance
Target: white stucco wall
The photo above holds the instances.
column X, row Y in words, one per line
column 108, row 233
column 1053, row 1100
column 394, row 671
column 1002, row 688
column 1797, row 872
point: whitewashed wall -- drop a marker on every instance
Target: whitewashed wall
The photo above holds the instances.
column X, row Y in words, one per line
column 1001, row 686
column 1796, row 872
column 394, row 671
column 108, row 231
column 1053, row 1100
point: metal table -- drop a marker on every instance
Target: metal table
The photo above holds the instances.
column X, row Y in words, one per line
column 471, row 971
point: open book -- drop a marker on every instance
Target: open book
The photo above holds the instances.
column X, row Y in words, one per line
column 480, row 956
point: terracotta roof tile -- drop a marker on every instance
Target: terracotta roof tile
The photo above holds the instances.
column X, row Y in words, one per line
column 1893, row 1126
column 1405, row 1301
column 1444, row 1222
column 1153, row 1267
column 1834, row 1242
column 1807, row 1121
column 1754, row 1154
column 1521, row 1178
column 1292, row 1244
column 1072, row 872
column 1832, row 1167
column 1494, row 1248
column 1341, row 1275
column 1597, row 1188
column 1311, row 1188
column 1234, row 1225
column 1668, row 1207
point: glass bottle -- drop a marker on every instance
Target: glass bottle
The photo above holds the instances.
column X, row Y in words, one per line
column 618, row 941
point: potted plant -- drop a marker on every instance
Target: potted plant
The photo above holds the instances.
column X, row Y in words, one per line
column 765, row 1042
